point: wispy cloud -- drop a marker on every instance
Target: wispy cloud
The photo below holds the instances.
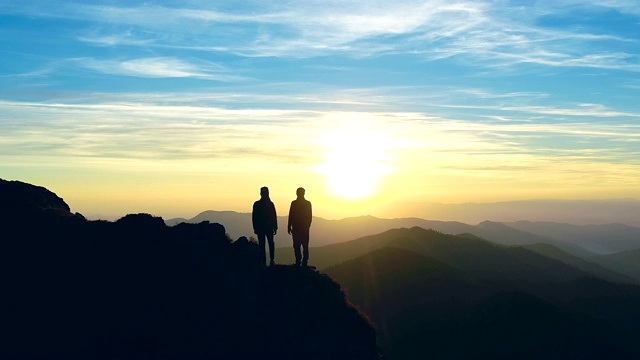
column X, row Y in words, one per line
column 585, row 110
column 183, row 131
column 427, row 150
column 147, row 131
column 581, row 110
column 491, row 33
column 126, row 38
column 159, row 67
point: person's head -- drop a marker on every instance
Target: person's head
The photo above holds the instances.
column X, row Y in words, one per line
column 300, row 192
column 264, row 191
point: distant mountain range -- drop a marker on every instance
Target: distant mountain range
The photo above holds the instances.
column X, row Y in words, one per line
column 579, row 212
column 433, row 295
column 600, row 239
column 580, row 240
column 330, row 255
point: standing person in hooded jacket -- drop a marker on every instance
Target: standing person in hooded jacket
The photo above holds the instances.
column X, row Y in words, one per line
column 265, row 225
column 298, row 226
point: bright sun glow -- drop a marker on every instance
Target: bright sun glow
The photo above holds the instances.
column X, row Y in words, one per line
column 354, row 162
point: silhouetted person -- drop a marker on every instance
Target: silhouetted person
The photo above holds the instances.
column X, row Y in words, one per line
column 298, row 226
column 265, row 224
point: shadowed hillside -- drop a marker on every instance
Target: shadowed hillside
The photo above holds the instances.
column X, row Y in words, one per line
column 625, row 262
column 429, row 301
column 588, row 266
column 137, row 289
column 468, row 252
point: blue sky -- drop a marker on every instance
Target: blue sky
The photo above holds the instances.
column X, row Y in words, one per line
column 112, row 103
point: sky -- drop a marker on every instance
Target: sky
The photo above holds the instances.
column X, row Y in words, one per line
column 176, row 107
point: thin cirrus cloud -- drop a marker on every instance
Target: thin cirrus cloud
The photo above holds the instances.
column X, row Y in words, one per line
column 183, row 131
column 491, row 33
column 146, row 131
column 159, row 67
column 581, row 110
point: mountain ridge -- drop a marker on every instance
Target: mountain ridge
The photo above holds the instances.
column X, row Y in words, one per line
column 579, row 212
column 577, row 316
column 325, row 232
column 138, row 289
column 481, row 257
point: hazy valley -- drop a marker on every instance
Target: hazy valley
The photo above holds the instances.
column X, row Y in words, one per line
column 606, row 247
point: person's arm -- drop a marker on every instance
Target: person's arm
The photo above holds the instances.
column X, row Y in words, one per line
column 289, row 228
column 274, row 218
column 254, row 218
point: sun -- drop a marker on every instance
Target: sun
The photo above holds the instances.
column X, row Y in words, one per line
column 354, row 161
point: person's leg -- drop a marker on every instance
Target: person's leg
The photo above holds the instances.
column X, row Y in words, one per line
column 263, row 255
column 304, row 240
column 296, row 247
column 272, row 248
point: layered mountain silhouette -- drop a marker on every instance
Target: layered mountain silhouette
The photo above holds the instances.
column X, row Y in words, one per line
column 601, row 239
column 606, row 272
column 581, row 212
column 432, row 295
column 537, row 259
column 138, row 289
column 580, row 240
column 625, row 262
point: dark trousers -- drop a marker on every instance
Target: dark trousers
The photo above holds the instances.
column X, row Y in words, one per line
column 261, row 245
column 301, row 239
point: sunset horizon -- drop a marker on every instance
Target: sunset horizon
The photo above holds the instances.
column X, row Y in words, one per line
column 173, row 108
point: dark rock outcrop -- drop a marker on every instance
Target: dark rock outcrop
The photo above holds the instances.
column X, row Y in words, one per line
column 136, row 288
column 20, row 201
column 22, row 196
column 299, row 313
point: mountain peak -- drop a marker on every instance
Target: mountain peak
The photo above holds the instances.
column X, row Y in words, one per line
column 488, row 223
